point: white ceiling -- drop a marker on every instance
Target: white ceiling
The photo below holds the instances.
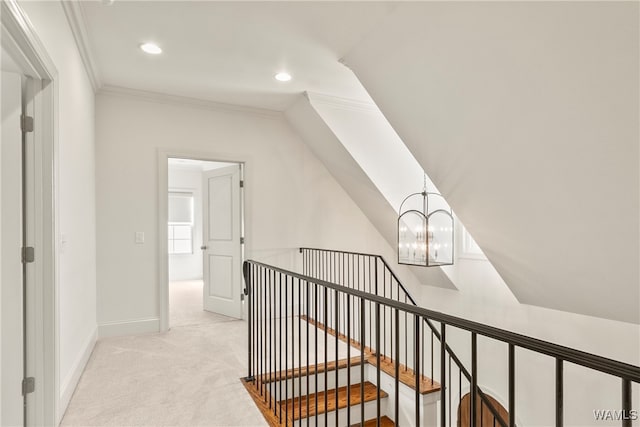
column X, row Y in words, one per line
column 229, row 51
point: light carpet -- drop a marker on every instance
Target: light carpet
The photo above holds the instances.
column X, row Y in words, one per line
column 188, row 376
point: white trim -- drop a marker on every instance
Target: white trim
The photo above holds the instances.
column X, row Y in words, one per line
column 15, row 20
column 19, row 34
column 346, row 104
column 70, row 383
column 75, row 17
column 162, row 98
column 128, row 327
column 163, row 188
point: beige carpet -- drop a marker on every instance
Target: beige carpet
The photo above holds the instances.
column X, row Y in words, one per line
column 185, row 377
column 185, row 305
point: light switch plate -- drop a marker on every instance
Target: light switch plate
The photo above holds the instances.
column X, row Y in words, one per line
column 139, row 237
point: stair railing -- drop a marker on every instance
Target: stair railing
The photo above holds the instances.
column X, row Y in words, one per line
column 371, row 274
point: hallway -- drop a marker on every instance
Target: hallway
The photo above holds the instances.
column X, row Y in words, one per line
column 187, row 376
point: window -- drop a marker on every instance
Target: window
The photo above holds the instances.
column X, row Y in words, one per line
column 180, row 222
column 470, row 248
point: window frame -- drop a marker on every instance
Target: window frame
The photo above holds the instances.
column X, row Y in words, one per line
column 171, row 225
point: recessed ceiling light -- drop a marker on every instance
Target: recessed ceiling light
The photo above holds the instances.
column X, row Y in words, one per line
column 283, row 77
column 151, row 48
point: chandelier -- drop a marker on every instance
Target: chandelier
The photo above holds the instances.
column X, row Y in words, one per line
column 425, row 230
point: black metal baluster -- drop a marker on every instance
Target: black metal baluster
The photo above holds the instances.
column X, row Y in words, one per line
column 431, row 357
column 370, row 306
column 286, row 350
column 379, row 387
column 315, row 347
column 397, row 376
column 263, row 327
column 459, row 387
column 336, row 342
column 416, row 367
column 450, row 387
column 406, row 338
column 280, row 347
column 362, row 334
column 247, row 283
column 326, row 335
column 559, row 393
column 627, row 416
column 299, row 353
column 384, row 311
column 512, row 386
column 348, row 326
column 272, row 339
column 474, row 379
column 443, row 375
column 308, row 321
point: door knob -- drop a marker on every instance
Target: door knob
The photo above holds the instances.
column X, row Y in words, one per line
column 203, row 247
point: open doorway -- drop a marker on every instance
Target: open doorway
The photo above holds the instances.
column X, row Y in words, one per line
column 204, row 240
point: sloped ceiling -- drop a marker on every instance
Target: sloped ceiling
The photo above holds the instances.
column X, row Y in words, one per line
column 313, row 129
column 526, row 117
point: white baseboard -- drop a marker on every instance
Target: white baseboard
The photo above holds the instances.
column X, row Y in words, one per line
column 70, row 383
column 128, row 327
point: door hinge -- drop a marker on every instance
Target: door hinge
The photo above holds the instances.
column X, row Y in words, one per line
column 26, row 123
column 242, row 184
column 242, row 240
column 242, row 297
column 28, row 385
column 28, row 254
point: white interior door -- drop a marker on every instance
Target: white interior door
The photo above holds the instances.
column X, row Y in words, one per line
column 222, row 250
column 11, row 298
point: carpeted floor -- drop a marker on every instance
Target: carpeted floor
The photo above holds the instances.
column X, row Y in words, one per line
column 185, row 305
column 185, row 377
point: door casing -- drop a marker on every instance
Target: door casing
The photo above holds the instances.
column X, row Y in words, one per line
column 21, row 41
column 163, row 188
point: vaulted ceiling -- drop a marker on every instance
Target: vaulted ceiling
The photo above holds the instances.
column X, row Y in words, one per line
column 526, row 117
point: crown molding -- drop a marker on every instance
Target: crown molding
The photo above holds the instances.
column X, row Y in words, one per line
column 162, row 98
column 75, row 17
column 342, row 103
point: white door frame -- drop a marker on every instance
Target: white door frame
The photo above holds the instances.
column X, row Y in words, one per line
column 22, row 42
column 163, row 189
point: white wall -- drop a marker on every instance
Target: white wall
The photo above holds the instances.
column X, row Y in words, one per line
column 76, row 194
column 188, row 266
column 291, row 199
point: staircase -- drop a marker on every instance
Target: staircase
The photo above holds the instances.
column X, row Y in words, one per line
column 345, row 344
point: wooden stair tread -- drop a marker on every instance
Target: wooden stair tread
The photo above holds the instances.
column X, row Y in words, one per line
column 293, row 405
column 407, row 376
column 384, row 422
column 309, row 370
column 387, row 365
